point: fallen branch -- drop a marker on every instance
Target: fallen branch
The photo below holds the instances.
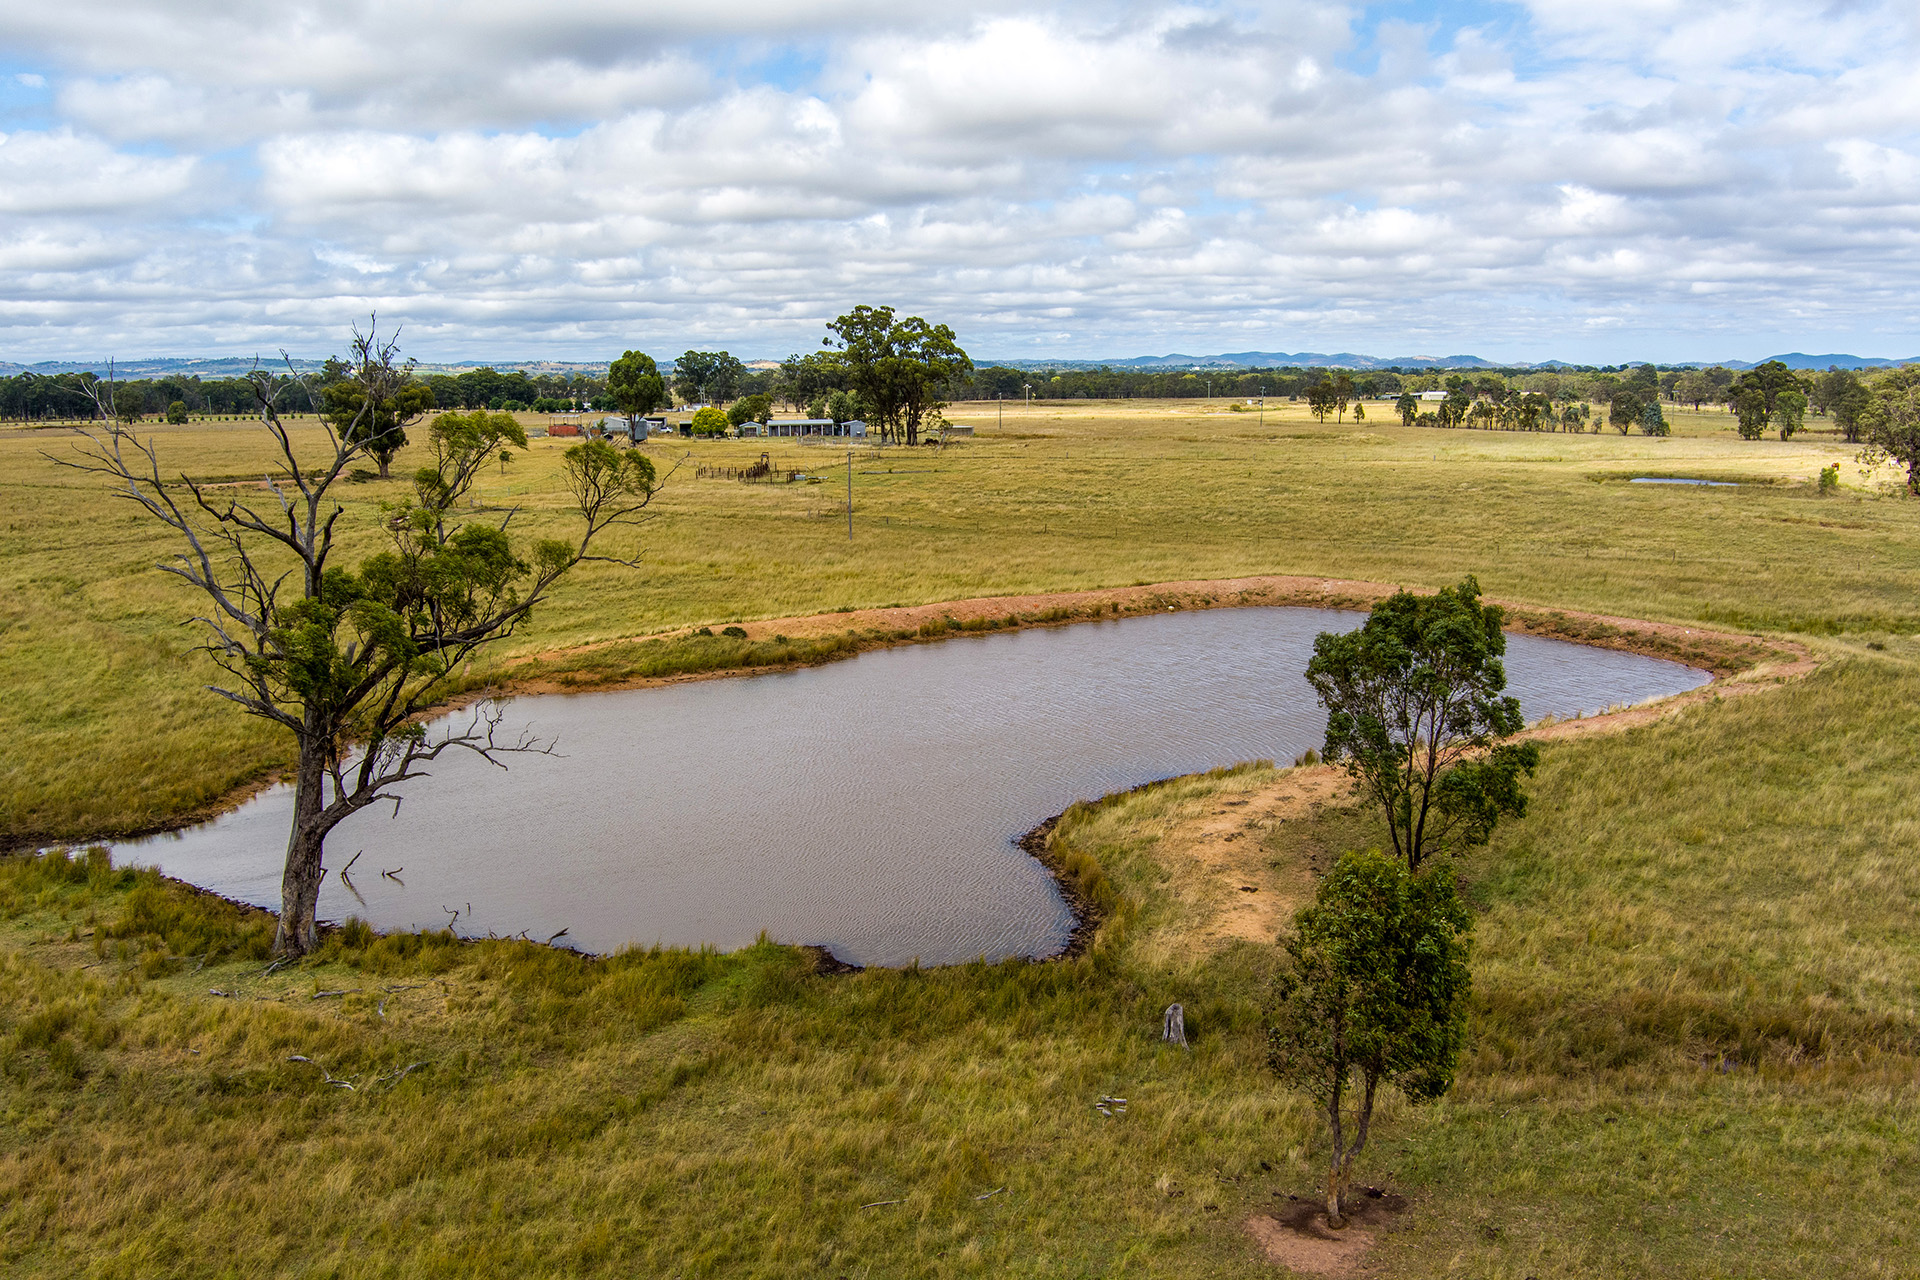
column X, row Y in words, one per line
column 996, row 1191
column 322, row 995
column 324, row 1073
column 396, row 1076
column 877, row 1203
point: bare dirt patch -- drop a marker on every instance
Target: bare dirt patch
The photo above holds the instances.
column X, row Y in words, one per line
column 1296, row 1236
column 1222, row 871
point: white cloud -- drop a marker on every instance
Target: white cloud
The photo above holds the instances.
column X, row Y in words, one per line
column 596, row 174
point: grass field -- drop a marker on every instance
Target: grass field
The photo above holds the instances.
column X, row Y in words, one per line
column 1697, row 1020
column 112, row 734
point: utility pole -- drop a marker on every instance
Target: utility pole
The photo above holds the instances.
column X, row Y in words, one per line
column 1028, row 388
column 849, row 495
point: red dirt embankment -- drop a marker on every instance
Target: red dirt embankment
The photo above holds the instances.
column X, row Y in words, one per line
column 1721, row 653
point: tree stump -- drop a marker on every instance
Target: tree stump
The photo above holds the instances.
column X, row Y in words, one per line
column 1173, row 1028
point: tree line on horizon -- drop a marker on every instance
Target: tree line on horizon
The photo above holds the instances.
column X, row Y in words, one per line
column 898, row 373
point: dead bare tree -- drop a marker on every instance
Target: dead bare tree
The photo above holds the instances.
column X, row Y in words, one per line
column 347, row 660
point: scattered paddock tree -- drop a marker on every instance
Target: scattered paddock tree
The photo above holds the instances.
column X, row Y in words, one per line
column 898, row 368
column 1756, row 397
column 1374, row 992
column 1320, row 397
column 348, row 659
column 1415, row 710
column 1891, row 422
column 1849, row 408
column 378, row 426
column 634, row 383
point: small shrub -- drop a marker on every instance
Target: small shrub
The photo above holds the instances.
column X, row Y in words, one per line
column 1830, row 478
column 738, row 633
column 704, row 631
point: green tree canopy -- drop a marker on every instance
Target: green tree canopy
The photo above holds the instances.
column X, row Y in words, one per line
column 1624, row 408
column 379, row 428
column 898, row 368
column 1849, row 406
column 1789, row 412
column 708, row 375
column 1756, row 394
column 1891, row 420
column 804, row 379
column 754, row 408
column 635, row 384
column 1374, row 992
column 1416, row 710
column 1321, row 397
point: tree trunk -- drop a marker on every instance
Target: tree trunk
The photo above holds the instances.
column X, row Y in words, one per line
column 1334, row 1219
column 386, row 461
column 300, row 879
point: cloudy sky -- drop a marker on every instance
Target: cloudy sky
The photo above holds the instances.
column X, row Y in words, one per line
column 1648, row 179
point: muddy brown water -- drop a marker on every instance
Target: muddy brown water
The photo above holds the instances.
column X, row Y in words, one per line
column 869, row 806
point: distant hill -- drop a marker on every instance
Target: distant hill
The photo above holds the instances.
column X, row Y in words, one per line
column 1349, row 360
column 209, row 367
column 1264, row 360
column 1800, row 360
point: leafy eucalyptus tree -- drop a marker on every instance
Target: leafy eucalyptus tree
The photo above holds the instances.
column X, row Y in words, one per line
column 898, row 368
column 1374, row 992
column 1891, row 418
column 348, row 659
column 635, row 384
column 379, row 424
column 1416, row 710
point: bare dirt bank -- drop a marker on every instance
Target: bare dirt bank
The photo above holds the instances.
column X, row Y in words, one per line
column 1719, row 652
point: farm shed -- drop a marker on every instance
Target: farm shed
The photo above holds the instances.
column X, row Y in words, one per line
column 814, row 427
